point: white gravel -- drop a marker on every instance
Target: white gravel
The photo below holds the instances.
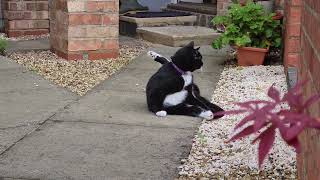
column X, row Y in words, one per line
column 78, row 76
column 211, row 157
column 24, row 38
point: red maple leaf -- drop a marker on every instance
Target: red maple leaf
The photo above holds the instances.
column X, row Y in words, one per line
column 263, row 115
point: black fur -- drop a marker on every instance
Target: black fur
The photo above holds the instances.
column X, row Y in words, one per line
column 167, row 80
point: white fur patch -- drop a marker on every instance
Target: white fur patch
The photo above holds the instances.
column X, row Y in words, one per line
column 175, row 98
column 161, row 113
column 208, row 115
column 187, row 78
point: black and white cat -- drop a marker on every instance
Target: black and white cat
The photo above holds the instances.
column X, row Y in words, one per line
column 171, row 89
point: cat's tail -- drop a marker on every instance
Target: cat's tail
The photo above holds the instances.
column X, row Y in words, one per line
column 157, row 57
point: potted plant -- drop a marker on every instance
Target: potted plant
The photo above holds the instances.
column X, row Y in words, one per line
column 250, row 30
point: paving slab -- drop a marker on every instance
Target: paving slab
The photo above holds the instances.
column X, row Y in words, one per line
column 25, row 107
column 18, row 78
column 10, row 136
column 26, row 100
column 116, row 107
column 177, row 36
column 27, row 45
column 6, row 64
column 85, row 151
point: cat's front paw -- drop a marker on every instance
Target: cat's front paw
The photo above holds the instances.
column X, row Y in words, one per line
column 161, row 113
column 153, row 54
column 208, row 115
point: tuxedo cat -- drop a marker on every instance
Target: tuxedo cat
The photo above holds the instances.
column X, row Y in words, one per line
column 171, row 89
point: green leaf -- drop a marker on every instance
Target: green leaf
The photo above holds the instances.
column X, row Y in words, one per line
column 277, row 42
column 243, row 41
column 248, row 26
column 268, row 33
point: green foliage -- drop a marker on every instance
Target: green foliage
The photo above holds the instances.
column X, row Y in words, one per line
column 3, row 46
column 248, row 26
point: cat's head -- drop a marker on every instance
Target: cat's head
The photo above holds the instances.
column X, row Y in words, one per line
column 188, row 58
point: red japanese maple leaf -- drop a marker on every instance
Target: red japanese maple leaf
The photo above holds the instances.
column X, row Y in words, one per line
column 263, row 116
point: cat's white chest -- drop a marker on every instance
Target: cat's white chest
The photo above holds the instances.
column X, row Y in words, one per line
column 175, row 98
column 178, row 97
column 187, row 78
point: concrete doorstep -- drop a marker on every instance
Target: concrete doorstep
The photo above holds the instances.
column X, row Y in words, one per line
column 177, row 36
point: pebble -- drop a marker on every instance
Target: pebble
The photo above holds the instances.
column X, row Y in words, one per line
column 77, row 76
column 238, row 160
column 24, row 38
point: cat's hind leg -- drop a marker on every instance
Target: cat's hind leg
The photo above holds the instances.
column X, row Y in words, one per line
column 196, row 99
column 190, row 110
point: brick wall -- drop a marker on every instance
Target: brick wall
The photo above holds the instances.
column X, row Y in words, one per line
column 26, row 17
column 86, row 29
column 292, row 22
column 309, row 66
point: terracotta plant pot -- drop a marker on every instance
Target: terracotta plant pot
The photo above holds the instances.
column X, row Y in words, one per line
column 278, row 16
column 250, row 56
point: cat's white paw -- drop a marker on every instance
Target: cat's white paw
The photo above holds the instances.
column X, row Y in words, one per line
column 161, row 113
column 153, row 54
column 208, row 115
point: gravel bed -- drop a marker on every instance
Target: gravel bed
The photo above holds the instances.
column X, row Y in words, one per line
column 212, row 158
column 24, row 38
column 77, row 76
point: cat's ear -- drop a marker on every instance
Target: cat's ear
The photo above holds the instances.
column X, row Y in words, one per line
column 197, row 48
column 191, row 44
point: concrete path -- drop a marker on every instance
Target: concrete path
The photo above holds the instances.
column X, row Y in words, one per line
column 107, row 134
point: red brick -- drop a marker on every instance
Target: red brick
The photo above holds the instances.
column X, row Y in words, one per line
column 17, row 33
column 293, row 30
column 76, row 6
column 294, row 15
column 293, row 45
column 84, row 19
column 110, row 44
column 296, row 2
column 111, row 19
column 29, row 24
column 24, row 15
column 293, row 59
column 101, row 6
column 68, row 56
column 84, row 45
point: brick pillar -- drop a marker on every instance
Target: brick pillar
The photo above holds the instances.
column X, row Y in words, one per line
column 26, row 17
column 222, row 6
column 292, row 22
column 86, row 29
column 309, row 159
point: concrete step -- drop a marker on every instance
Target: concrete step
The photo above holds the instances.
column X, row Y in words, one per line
column 128, row 25
column 176, row 36
column 210, row 9
column 201, row 19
